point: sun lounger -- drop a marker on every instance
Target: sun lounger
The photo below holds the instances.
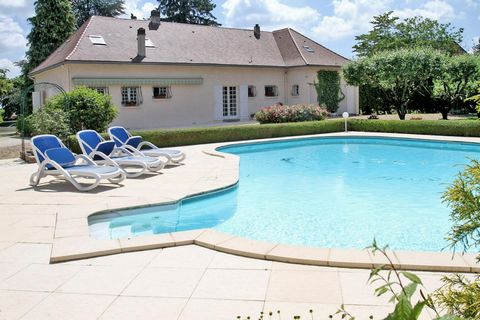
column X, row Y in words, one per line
column 124, row 139
column 101, row 151
column 55, row 159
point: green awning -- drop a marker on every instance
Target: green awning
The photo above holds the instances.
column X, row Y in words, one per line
column 136, row 81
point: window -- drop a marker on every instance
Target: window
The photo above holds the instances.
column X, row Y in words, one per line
column 102, row 90
column 271, row 91
column 131, row 96
column 308, row 49
column 252, row 91
column 162, row 93
column 295, row 90
column 149, row 43
column 97, row 40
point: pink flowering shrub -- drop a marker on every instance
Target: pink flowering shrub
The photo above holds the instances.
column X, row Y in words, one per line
column 295, row 113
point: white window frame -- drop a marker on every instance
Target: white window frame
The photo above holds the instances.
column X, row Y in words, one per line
column 166, row 89
column 275, row 91
column 131, row 96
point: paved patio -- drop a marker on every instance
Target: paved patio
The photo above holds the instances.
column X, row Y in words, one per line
column 186, row 282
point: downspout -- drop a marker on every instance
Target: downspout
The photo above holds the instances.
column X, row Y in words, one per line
column 285, row 85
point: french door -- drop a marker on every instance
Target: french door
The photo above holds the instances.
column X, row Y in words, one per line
column 230, row 102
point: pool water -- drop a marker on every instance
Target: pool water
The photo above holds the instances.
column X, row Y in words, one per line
column 323, row 192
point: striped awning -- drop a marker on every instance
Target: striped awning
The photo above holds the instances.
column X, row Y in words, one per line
column 136, row 81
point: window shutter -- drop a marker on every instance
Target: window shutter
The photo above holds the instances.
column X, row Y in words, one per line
column 244, row 113
column 217, row 96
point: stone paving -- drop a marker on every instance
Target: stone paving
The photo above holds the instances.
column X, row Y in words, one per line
column 186, row 282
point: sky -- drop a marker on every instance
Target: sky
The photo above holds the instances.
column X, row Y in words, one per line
column 332, row 23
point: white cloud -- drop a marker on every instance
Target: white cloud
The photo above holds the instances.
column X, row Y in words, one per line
column 352, row 17
column 11, row 35
column 139, row 10
column 13, row 3
column 13, row 70
column 433, row 9
column 349, row 17
column 270, row 14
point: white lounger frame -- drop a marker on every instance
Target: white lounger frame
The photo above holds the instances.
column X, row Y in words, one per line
column 155, row 151
column 114, row 177
column 121, row 164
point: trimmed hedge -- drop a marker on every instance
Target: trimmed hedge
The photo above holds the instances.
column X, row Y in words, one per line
column 461, row 128
column 191, row 136
column 182, row 137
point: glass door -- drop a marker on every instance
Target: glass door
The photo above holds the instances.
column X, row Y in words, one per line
column 230, row 103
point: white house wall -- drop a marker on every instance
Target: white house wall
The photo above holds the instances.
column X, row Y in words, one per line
column 191, row 104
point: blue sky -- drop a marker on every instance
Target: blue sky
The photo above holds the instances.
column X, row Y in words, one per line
column 333, row 23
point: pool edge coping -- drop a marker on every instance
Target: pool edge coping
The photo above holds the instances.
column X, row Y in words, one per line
column 82, row 246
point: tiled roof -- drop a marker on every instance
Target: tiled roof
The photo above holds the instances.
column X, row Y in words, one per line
column 177, row 43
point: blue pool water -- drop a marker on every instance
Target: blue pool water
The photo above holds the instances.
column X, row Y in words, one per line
column 326, row 192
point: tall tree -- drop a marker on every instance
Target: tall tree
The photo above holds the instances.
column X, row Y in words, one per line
column 389, row 33
column 188, row 11
column 84, row 9
column 52, row 24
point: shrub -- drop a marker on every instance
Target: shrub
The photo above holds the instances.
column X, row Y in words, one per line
column 433, row 127
column 328, row 89
column 296, row 113
column 85, row 109
column 191, row 136
column 49, row 120
column 24, row 125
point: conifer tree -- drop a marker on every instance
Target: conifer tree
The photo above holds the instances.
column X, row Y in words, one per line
column 52, row 24
column 84, row 9
column 188, row 11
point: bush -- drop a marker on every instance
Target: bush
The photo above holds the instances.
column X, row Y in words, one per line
column 49, row 120
column 433, row 127
column 191, row 136
column 24, row 125
column 328, row 89
column 85, row 109
column 295, row 113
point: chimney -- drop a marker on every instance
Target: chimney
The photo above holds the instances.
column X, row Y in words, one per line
column 154, row 20
column 256, row 31
column 141, row 43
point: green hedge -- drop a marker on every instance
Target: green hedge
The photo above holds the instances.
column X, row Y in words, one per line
column 182, row 137
column 461, row 128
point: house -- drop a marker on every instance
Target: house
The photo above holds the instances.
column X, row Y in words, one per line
column 163, row 74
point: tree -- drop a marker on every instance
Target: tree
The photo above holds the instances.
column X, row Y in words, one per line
column 188, row 11
column 398, row 74
column 388, row 33
column 455, row 83
column 84, row 9
column 52, row 24
column 5, row 87
column 476, row 48
column 10, row 96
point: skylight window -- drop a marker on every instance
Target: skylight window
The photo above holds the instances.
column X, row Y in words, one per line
column 97, row 40
column 149, row 43
column 308, row 49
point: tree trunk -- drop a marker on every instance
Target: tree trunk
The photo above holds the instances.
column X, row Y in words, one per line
column 401, row 116
column 444, row 114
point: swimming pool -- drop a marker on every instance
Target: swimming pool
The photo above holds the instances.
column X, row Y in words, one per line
column 322, row 192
